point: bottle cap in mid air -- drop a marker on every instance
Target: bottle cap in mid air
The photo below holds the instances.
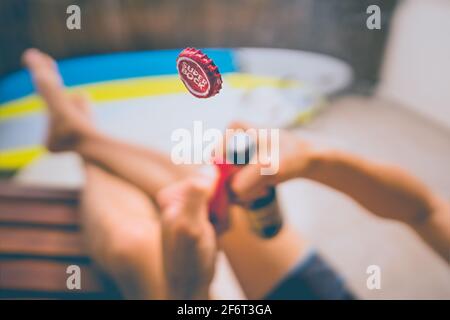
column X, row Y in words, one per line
column 199, row 73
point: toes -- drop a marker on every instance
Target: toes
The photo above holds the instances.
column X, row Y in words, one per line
column 35, row 59
column 45, row 77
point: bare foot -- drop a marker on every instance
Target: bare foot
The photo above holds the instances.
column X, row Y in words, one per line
column 66, row 130
column 69, row 114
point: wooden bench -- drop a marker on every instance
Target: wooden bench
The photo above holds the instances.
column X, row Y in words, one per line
column 39, row 238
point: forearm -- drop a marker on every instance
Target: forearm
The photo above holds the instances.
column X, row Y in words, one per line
column 436, row 229
column 386, row 191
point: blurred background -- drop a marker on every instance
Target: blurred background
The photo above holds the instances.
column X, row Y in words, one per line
column 331, row 27
column 383, row 94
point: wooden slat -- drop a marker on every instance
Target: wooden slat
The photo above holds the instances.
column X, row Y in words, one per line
column 10, row 190
column 45, row 275
column 39, row 238
column 37, row 212
column 35, row 241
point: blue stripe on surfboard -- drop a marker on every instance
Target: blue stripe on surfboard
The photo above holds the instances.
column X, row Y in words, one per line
column 112, row 66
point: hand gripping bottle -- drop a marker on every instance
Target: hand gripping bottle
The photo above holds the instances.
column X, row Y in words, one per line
column 263, row 213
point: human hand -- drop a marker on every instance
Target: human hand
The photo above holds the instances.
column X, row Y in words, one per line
column 189, row 240
column 294, row 159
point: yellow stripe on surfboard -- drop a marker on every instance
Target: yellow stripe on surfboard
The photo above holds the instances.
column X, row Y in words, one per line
column 14, row 159
column 117, row 90
column 135, row 88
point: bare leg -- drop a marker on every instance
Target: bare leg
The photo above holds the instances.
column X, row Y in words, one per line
column 123, row 234
column 259, row 264
column 71, row 129
column 147, row 169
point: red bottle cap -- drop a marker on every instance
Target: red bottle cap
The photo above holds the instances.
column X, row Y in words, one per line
column 199, row 73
